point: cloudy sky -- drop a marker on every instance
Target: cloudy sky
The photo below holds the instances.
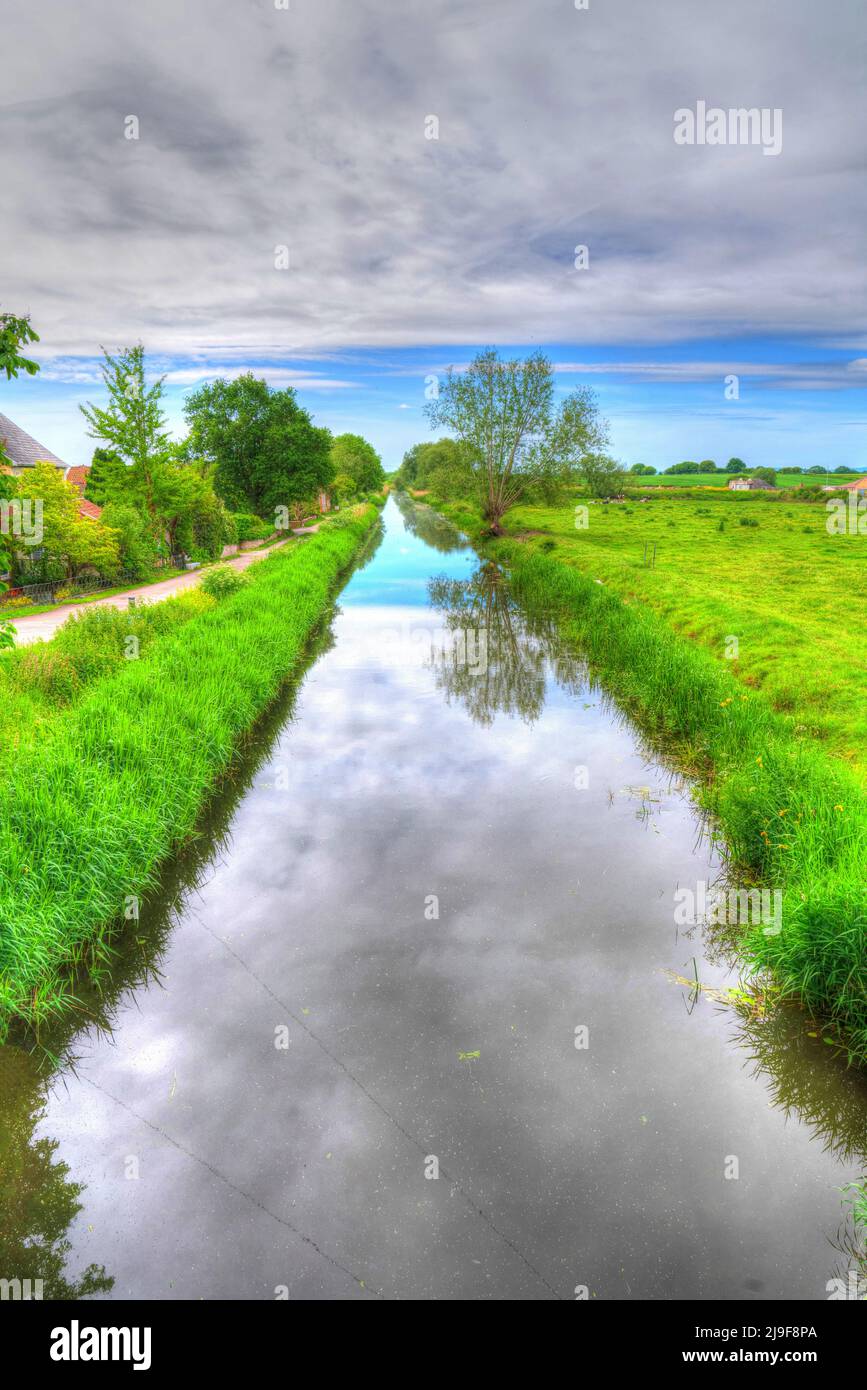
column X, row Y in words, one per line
column 308, row 127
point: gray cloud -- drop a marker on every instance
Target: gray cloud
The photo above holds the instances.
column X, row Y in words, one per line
column 262, row 127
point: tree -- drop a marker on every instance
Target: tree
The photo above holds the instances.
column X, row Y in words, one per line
column 513, row 438
column 133, row 424
column 642, row 470
column 108, row 479
column 769, row 475
column 736, row 466
column 135, row 540
column 343, row 487
column 75, row 542
column 265, row 449
column 353, row 455
column 438, row 464
column 707, row 466
column 16, row 333
column 603, row 476
column 686, row 467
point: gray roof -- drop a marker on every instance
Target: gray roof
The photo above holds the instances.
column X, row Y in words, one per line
column 22, row 448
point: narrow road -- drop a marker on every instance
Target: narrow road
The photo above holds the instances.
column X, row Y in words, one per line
column 40, row 626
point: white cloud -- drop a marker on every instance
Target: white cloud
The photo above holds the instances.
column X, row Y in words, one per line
column 262, row 127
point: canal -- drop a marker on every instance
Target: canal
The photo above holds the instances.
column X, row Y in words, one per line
column 415, row 1016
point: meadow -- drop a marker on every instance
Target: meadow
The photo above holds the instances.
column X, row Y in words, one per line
column 761, row 572
column 720, row 480
column 116, row 754
column 772, row 729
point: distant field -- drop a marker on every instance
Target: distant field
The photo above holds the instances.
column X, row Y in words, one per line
column 786, row 589
column 720, row 480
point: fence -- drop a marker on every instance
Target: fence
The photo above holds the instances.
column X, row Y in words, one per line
column 70, row 588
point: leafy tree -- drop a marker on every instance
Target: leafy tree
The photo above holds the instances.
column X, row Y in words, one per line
column 817, row 468
column 642, row 470
column 768, row 475
column 603, row 476
column 108, row 479
column 343, row 487
column 68, row 537
column 688, row 466
column 16, row 333
column 135, row 539
column 707, row 466
column 438, row 464
column 736, row 466
column 133, row 424
column 353, row 455
column 513, row 439
column 266, row 450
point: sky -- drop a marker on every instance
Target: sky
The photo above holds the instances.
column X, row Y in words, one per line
column 428, row 170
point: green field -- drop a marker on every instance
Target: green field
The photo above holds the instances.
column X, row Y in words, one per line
column 785, row 588
column 720, row 480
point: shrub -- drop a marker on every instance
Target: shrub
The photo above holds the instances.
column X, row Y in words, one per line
column 49, row 671
column 250, row 527
column 221, row 582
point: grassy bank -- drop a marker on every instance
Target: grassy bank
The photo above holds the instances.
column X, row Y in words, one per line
column 97, row 799
column 793, row 817
column 765, row 573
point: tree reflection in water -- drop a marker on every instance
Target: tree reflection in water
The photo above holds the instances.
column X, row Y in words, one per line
column 37, row 1200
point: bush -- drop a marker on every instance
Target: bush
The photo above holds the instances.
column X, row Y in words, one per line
column 49, row 671
column 250, row 527
column 221, row 582
column 137, row 549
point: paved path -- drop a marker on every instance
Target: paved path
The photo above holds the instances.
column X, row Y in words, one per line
column 40, row 626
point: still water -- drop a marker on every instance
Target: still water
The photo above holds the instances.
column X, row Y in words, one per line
column 414, row 1019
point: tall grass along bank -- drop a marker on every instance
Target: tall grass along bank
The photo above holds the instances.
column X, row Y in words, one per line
column 792, row 816
column 88, row 812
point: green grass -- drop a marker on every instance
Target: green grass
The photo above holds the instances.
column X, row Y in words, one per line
column 98, row 797
column 722, row 480
column 782, row 586
column 756, row 732
column 39, row 682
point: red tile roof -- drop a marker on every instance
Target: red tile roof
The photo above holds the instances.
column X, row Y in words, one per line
column 78, row 476
column 89, row 510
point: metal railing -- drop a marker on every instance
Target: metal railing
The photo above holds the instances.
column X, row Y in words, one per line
column 70, row 588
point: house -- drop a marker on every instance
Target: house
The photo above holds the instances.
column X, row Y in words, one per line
column 859, row 485
column 23, row 452
column 78, row 476
column 748, row 484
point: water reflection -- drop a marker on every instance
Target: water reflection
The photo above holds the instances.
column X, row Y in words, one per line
column 38, row 1201
column 429, row 526
column 377, row 765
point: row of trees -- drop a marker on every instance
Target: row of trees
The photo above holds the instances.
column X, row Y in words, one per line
column 249, row 451
column 735, row 465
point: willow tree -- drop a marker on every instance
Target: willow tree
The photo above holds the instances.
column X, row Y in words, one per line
column 516, row 441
